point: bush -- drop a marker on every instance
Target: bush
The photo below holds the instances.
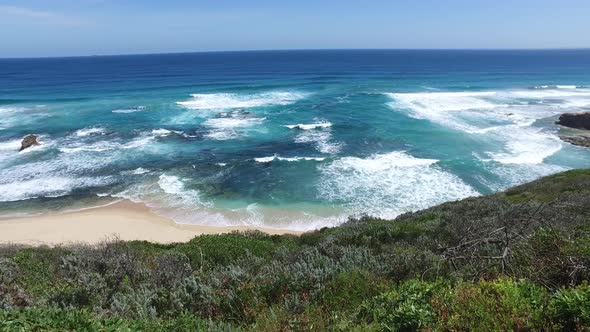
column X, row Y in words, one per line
column 570, row 308
column 54, row 319
column 406, row 308
column 419, row 271
column 349, row 289
column 500, row 305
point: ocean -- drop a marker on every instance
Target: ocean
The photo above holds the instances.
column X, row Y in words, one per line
column 285, row 139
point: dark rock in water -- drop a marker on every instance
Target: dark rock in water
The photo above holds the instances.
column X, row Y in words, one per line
column 28, row 141
column 575, row 120
column 577, row 140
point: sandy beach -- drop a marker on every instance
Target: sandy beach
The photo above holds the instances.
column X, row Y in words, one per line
column 125, row 220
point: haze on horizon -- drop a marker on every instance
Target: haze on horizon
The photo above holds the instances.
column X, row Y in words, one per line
column 39, row 28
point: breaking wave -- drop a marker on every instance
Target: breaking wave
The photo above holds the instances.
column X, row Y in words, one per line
column 219, row 101
column 276, row 157
column 386, row 185
column 500, row 116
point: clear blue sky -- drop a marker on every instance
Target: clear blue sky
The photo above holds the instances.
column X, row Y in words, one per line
column 85, row 27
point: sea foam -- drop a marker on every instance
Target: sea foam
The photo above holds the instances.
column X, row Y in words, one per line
column 321, row 139
column 276, row 157
column 85, row 132
column 49, row 186
column 310, row 126
column 386, row 185
column 229, row 128
column 213, row 101
column 496, row 115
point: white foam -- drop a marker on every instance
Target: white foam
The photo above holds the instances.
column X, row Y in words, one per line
column 19, row 116
column 510, row 175
column 13, row 145
column 95, row 147
column 140, row 141
column 89, row 131
column 309, row 126
column 508, row 124
column 525, row 145
column 129, row 110
column 137, row 171
column 554, row 94
column 276, row 157
column 229, row 128
column 51, row 186
column 213, row 101
column 11, row 148
column 265, row 159
column 426, row 102
column 320, row 139
column 386, row 185
column 165, row 132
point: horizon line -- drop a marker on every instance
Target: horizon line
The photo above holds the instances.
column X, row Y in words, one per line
column 298, row 50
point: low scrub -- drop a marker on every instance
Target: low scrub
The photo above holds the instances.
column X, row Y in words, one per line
column 518, row 260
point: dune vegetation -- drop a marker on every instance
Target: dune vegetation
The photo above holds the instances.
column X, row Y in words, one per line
column 516, row 260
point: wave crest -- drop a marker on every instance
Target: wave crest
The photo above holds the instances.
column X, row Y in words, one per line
column 219, row 101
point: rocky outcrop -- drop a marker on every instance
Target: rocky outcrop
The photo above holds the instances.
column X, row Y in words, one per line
column 575, row 120
column 577, row 140
column 28, row 141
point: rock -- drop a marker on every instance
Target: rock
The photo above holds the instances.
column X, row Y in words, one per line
column 28, row 141
column 575, row 120
column 577, row 140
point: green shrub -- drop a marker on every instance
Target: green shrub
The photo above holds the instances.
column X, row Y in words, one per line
column 36, row 268
column 54, row 319
column 406, row 308
column 500, row 305
column 570, row 308
column 222, row 249
column 349, row 289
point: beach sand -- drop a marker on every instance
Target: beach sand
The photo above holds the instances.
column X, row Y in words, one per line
column 125, row 220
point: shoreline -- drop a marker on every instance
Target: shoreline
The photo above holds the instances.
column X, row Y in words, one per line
column 124, row 219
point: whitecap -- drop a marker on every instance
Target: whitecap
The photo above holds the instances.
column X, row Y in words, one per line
column 276, row 157
column 49, row 186
column 424, row 103
column 89, row 131
column 309, row 126
column 386, row 185
column 102, row 146
column 13, row 145
column 165, row 132
column 320, row 139
column 130, row 110
column 525, row 145
column 228, row 127
column 508, row 125
column 211, row 101
column 137, row 171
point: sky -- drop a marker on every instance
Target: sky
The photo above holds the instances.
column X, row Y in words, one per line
column 40, row 28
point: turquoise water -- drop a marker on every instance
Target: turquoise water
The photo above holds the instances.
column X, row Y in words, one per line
column 295, row 139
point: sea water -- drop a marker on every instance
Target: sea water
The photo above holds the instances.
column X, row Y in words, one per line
column 289, row 139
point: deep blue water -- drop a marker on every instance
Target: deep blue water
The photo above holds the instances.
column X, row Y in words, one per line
column 295, row 139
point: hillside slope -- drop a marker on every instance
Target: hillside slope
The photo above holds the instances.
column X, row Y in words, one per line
column 517, row 260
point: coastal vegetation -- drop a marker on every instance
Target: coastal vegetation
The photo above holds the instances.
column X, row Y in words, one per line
column 516, row 260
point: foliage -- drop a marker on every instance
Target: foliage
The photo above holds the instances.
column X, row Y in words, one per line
column 517, row 260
